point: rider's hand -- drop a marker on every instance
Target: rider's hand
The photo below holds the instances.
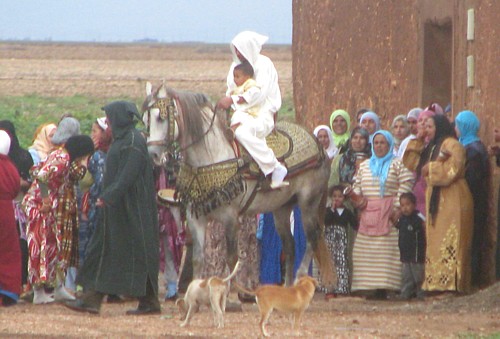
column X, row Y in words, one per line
column 224, row 103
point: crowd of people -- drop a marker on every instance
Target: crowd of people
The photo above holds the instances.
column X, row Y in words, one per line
column 419, row 194
column 406, row 214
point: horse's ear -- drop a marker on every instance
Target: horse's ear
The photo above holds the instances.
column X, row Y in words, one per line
column 149, row 88
column 162, row 91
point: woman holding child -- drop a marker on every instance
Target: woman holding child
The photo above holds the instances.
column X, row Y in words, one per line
column 449, row 206
column 378, row 184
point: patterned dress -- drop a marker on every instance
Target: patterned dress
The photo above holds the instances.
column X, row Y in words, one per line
column 337, row 223
column 96, row 167
column 52, row 236
column 376, row 263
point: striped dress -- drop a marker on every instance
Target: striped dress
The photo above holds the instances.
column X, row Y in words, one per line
column 376, row 261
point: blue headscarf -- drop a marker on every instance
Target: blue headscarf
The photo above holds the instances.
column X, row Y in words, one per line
column 380, row 166
column 468, row 126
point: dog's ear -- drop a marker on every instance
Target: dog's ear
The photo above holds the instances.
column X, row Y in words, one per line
column 204, row 283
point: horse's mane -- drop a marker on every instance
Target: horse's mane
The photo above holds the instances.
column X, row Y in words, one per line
column 193, row 107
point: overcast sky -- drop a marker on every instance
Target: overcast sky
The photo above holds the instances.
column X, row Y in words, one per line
column 211, row 21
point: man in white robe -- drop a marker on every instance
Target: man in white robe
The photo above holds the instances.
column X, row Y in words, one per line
column 252, row 131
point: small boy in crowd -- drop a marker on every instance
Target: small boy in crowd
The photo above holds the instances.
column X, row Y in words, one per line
column 411, row 247
column 338, row 219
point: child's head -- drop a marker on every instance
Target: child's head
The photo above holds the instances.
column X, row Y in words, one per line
column 337, row 194
column 242, row 73
column 407, row 203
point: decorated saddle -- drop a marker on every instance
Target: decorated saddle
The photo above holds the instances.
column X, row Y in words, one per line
column 292, row 145
column 206, row 188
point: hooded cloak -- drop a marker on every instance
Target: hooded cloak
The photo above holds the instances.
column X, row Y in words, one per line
column 123, row 254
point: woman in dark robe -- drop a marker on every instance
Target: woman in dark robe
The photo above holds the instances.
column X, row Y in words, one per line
column 10, row 252
column 123, row 255
column 477, row 175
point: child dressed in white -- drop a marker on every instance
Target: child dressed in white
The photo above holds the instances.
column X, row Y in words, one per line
column 244, row 96
column 337, row 220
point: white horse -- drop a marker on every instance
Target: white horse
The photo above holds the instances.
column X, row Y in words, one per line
column 207, row 155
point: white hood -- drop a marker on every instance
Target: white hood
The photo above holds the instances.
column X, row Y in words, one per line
column 249, row 44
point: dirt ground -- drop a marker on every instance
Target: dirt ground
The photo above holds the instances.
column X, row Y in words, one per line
column 102, row 70
column 476, row 315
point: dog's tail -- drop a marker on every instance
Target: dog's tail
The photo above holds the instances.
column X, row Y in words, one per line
column 243, row 289
column 233, row 273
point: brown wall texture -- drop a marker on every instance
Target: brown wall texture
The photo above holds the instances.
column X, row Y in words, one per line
column 354, row 54
column 391, row 55
column 394, row 55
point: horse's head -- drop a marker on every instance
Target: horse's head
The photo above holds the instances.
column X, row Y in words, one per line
column 159, row 110
column 188, row 121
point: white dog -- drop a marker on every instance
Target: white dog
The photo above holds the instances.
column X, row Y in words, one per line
column 212, row 291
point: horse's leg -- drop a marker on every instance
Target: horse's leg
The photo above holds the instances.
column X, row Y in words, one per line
column 282, row 224
column 197, row 229
column 309, row 210
column 231, row 223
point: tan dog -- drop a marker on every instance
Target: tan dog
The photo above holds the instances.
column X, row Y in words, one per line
column 212, row 291
column 294, row 300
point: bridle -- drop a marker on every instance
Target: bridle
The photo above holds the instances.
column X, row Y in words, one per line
column 169, row 110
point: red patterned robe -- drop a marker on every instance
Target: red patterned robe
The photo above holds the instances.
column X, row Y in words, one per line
column 52, row 236
column 10, row 252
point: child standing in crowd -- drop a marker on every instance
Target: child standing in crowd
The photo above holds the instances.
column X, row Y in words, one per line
column 411, row 247
column 337, row 220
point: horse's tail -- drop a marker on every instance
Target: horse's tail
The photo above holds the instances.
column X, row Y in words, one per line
column 233, row 273
column 243, row 289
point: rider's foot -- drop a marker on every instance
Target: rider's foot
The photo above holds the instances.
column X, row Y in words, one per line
column 278, row 176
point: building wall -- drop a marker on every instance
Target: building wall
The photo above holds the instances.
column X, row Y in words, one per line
column 484, row 97
column 374, row 53
column 354, row 54
column 391, row 56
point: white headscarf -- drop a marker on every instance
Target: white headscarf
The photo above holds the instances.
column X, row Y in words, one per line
column 332, row 149
column 4, row 142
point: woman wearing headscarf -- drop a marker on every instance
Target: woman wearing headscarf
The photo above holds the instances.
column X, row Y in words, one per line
column 380, row 181
column 371, row 122
column 412, row 118
column 10, row 252
column 449, row 205
column 343, row 170
column 128, row 230
column 477, row 175
column 325, row 137
column 340, row 123
column 67, row 128
column 416, row 155
column 101, row 136
column 345, row 166
column 23, row 161
column 42, row 142
column 400, row 130
column 52, row 225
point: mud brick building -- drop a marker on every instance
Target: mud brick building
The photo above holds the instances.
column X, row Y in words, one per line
column 392, row 55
